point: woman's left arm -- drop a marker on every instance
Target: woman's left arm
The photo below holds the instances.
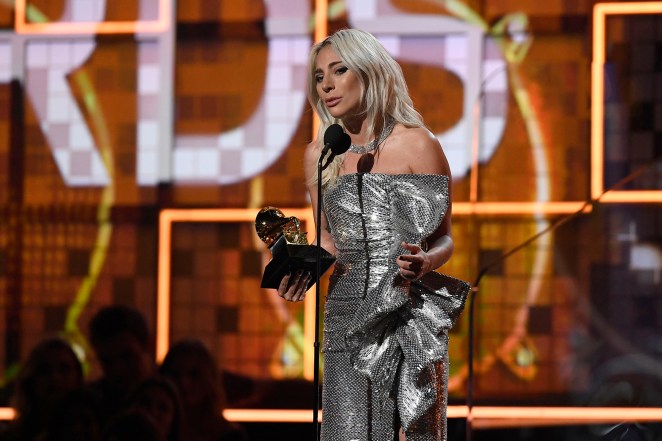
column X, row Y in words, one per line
column 426, row 156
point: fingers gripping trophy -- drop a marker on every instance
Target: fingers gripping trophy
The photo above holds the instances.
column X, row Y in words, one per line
column 291, row 253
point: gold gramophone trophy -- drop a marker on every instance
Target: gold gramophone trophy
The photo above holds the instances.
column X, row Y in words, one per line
column 289, row 248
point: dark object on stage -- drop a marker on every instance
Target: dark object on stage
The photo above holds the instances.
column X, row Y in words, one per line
column 289, row 248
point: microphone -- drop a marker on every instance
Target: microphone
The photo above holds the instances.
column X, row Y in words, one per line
column 336, row 140
column 332, row 136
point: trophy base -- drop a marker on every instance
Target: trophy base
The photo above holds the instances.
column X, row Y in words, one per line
column 289, row 258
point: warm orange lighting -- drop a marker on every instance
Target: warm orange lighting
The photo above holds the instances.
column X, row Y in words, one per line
column 625, row 8
column 600, row 12
column 492, row 417
column 597, row 105
column 482, row 416
column 7, row 413
column 645, row 196
column 515, row 208
column 321, row 19
column 166, row 219
column 457, row 411
column 162, row 24
column 301, row 415
column 270, row 415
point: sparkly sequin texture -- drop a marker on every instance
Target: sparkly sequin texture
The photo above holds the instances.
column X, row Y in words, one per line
column 385, row 340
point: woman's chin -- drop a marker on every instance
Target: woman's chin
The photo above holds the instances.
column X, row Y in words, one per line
column 336, row 114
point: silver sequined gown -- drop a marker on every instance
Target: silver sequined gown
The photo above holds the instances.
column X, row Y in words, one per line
column 385, row 341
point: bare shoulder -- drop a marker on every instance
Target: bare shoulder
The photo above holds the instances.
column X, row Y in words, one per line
column 422, row 151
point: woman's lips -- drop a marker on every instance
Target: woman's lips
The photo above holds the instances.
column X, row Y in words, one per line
column 332, row 102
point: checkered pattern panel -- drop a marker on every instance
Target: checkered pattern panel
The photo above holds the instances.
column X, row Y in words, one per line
column 56, row 255
column 80, row 11
column 244, row 151
column 633, row 101
column 148, row 129
column 216, row 297
column 60, row 118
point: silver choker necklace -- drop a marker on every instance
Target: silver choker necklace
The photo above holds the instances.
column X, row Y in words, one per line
column 372, row 145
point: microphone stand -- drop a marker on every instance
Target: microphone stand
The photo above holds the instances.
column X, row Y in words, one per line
column 316, row 345
column 474, row 287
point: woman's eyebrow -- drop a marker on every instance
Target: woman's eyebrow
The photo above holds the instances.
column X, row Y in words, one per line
column 331, row 64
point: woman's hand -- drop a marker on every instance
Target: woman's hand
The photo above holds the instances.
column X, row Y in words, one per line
column 293, row 287
column 414, row 265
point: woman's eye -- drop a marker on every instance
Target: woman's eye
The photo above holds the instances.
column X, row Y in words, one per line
column 341, row 70
column 318, row 79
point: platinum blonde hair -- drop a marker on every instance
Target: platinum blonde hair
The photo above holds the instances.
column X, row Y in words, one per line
column 384, row 92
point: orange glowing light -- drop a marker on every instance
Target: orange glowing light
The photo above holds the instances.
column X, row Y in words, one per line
column 600, row 13
column 7, row 413
column 162, row 24
column 270, row 415
column 517, row 208
column 321, row 18
column 302, row 415
column 483, row 417
column 493, row 417
column 166, row 219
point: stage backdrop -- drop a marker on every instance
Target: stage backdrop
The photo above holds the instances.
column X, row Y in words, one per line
column 113, row 111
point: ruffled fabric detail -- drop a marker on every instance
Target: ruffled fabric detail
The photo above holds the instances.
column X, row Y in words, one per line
column 398, row 351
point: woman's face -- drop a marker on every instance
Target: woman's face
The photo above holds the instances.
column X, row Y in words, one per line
column 159, row 404
column 337, row 86
column 193, row 380
column 55, row 375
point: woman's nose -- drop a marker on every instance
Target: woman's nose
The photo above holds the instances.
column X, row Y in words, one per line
column 327, row 86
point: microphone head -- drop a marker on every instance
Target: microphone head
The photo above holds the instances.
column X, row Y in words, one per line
column 333, row 134
column 342, row 145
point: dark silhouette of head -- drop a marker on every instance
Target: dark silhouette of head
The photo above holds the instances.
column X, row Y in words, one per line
column 120, row 339
column 51, row 370
column 159, row 397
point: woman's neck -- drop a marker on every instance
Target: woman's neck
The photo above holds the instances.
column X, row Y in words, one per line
column 357, row 129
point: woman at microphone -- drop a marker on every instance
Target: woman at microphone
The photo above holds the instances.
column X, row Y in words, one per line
column 387, row 220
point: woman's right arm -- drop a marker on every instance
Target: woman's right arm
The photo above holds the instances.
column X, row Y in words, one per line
column 293, row 286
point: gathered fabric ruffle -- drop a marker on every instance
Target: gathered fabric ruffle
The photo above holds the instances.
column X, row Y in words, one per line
column 398, row 347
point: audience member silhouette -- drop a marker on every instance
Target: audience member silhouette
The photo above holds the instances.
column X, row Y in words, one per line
column 121, row 342
column 51, row 370
column 132, row 425
column 193, row 368
column 76, row 418
column 159, row 397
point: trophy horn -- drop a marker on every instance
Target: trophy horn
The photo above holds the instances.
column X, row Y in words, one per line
column 271, row 224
